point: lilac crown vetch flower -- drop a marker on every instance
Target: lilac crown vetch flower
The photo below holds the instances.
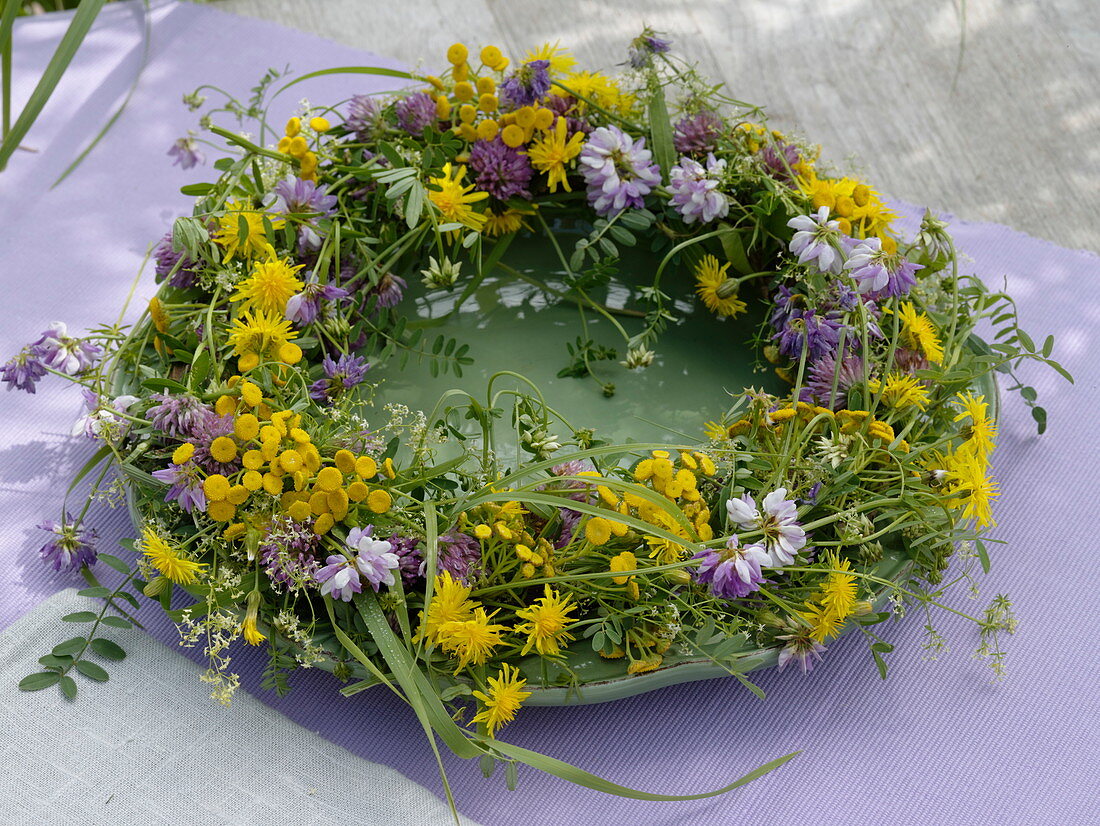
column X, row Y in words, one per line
column 694, row 188
column 70, row 545
column 733, row 572
column 63, row 353
column 817, row 240
column 618, row 170
column 373, row 557
column 777, row 518
column 339, row 578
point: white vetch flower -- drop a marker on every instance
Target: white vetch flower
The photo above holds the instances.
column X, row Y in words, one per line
column 777, row 518
column 817, row 239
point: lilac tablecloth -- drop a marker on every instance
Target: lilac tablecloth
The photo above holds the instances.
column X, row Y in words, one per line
column 936, row 743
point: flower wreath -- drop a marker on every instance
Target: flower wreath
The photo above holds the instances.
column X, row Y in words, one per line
column 407, row 554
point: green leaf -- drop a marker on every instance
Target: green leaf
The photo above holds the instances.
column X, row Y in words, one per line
column 1040, row 417
column 39, row 681
column 96, row 592
column 50, row 661
column 80, row 616
column 92, row 671
column 164, row 384
column 68, row 687
column 983, row 555
column 881, row 663
column 85, row 15
column 113, row 561
column 71, row 646
column 116, row 622
column 734, row 249
column 108, row 649
column 660, row 130
column 196, row 190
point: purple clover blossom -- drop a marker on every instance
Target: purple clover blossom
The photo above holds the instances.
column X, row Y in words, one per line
column 907, row 360
column 645, row 46
column 526, row 86
column 802, row 649
column 618, row 170
column 819, row 332
column 697, row 134
column 459, row 554
column 415, row 113
column 178, row 415
column 732, row 573
column 340, row 375
column 781, row 160
column 564, row 106
column 570, row 523
column 185, row 153
column 695, row 194
column 501, row 171
column 166, row 259
column 777, row 518
column 389, row 290
column 408, row 553
column 820, row 377
column 63, row 353
column 304, row 307
column 339, row 578
column 288, row 552
column 24, row 370
column 70, row 546
column 185, row 485
column 817, row 239
column 374, row 557
column 365, row 118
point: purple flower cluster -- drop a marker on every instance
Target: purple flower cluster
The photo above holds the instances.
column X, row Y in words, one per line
column 340, row 375
column 697, row 134
column 695, row 194
column 645, row 46
column 526, row 86
column 460, row 554
column 819, row 332
column 878, row 273
column 177, row 415
column 176, row 266
column 209, row 428
column 415, row 113
column 618, row 170
column 500, row 170
column 364, row 118
column 55, row 349
column 304, row 307
column 288, row 553
column 304, row 198
column 821, row 374
column 373, row 561
column 389, row 290
column 408, row 554
column 70, row 545
column 102, row 419
column 780, row 160
column 734, row 572
column 185, row 153
column 776, row 518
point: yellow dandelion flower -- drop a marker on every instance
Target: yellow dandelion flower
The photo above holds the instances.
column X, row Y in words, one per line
column 555, row 54
column 450, row 603
column 453, row 199
column 504, row 223
column 981, row 433
column 823, row 623
column 241, row 230
column 971, row 488
column 838, row 594
column 505, row 696
column 919, row 333
column 546, row 623
column 597, row 88
column 168, row 560
column 718, row 291
column 270, row 286
column 900, row 391
column 471, row 640
column 551, row 152
column 260, row 333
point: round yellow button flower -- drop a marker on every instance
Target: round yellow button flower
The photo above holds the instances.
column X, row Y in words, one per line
column 216, row 487
column 379, row 500
column 223, row 449
column 457, row 54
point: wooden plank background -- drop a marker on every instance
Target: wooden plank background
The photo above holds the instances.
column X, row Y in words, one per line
column 1016, row 140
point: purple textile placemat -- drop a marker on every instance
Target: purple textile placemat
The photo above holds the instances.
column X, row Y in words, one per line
column 936, row 743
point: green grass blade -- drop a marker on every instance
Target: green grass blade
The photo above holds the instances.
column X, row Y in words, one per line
column 146, row 38
column 348, row 70
column 7, row 22
column 82, row 21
